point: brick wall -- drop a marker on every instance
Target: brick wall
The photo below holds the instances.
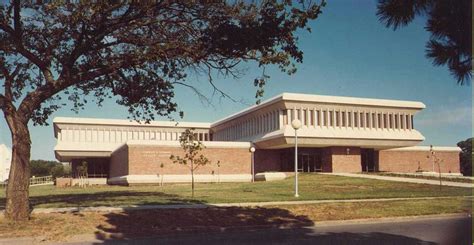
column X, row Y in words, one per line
column 149, row 160
column 410, row 161
column 119, row 162
column 345, row 163
column 267, row 161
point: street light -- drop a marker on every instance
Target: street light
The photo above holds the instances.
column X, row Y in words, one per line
column 296, row 124
column 432, row 154
column 252, row 150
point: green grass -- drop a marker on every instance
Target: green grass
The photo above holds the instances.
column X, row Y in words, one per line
column 312, row 187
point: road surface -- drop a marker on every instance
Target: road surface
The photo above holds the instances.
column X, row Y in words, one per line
column 433, row 230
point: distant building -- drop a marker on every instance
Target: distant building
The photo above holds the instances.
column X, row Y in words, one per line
column 338, row 134
column 5, row 162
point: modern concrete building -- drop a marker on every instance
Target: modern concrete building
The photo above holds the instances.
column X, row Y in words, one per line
column 5, row 162
column 339, row 134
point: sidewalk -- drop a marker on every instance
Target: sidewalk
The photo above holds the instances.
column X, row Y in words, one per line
column 105, row 209
column 403, row 179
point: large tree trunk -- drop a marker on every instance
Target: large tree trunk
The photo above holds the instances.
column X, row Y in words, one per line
column 17, row 205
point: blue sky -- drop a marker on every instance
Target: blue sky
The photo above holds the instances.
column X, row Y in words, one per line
column 348, row 53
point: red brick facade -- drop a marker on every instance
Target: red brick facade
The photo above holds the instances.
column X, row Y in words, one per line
column 151, row 160
column 412, row 161
column 154, row 160
column 349, row 160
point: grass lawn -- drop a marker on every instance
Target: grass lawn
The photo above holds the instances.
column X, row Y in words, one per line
column 157, row 222
column 312, row 187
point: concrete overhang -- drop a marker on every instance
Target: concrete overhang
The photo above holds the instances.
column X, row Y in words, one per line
column 364, row 138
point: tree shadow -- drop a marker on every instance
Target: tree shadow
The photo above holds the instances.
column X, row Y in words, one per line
column 228, row 225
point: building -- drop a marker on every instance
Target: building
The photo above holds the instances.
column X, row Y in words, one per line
column 5, row 162
column 339, row 134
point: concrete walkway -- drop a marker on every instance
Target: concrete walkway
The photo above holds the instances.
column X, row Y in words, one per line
column 207, row 205
column 403, row 179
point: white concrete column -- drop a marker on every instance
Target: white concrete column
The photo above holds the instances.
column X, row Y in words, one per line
column 340, row 118
column 333, row 118
column 402, row 120
column 280, row 119
column 346, row 119
column 327, row 118
column 410, row 126
column 398, row 121
column 308, row 117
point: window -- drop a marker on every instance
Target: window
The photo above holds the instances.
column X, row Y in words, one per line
column 384, row 120
column 362, row 123
column 318, row 114
column 373, row 120
column 379, row 118
column 408, row 122
column 343, row 118
column 311, row 117
column 349, row 119
column 396, row 121
column 390, row 117
column 331, row 118
column 338, row 123
column 325, row 118
column 367, row 120
column 412, row 125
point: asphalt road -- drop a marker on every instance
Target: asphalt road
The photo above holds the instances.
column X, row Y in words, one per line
column 439, row 230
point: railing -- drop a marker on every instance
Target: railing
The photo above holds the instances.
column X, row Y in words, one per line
column 43, row 180
column 34, row 181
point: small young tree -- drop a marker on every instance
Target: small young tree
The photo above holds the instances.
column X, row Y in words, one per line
column 192, row 158
column 82, row 172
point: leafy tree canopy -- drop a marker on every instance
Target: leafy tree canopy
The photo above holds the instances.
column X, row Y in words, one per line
column 42, row 167
column 136, row 51
column 448, row 21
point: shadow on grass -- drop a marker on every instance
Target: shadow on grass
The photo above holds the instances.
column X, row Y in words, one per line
column 105, row 198
column 229, row 225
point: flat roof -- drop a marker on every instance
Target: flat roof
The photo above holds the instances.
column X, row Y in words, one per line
column 326, row 99
column 281, row 97
column 121, row 122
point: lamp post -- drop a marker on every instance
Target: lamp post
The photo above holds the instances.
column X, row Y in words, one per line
column 432, row 158
column 296, row 124
column 252, row 150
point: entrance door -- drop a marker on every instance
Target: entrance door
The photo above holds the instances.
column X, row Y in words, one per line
column 303, row 162
column 367, row 160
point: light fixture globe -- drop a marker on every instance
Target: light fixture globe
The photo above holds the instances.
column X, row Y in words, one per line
column 296, row 124
column 252, row 149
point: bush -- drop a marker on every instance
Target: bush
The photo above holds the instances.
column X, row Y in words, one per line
column 466, row 156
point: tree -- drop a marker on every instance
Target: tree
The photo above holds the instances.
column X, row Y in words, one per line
column 448, row 21
column 43, row 167
column 192, row 158
column 466, row 156
column 132, row 51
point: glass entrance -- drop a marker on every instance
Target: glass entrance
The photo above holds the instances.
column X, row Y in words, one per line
column 309, row 163
column 367, row 160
